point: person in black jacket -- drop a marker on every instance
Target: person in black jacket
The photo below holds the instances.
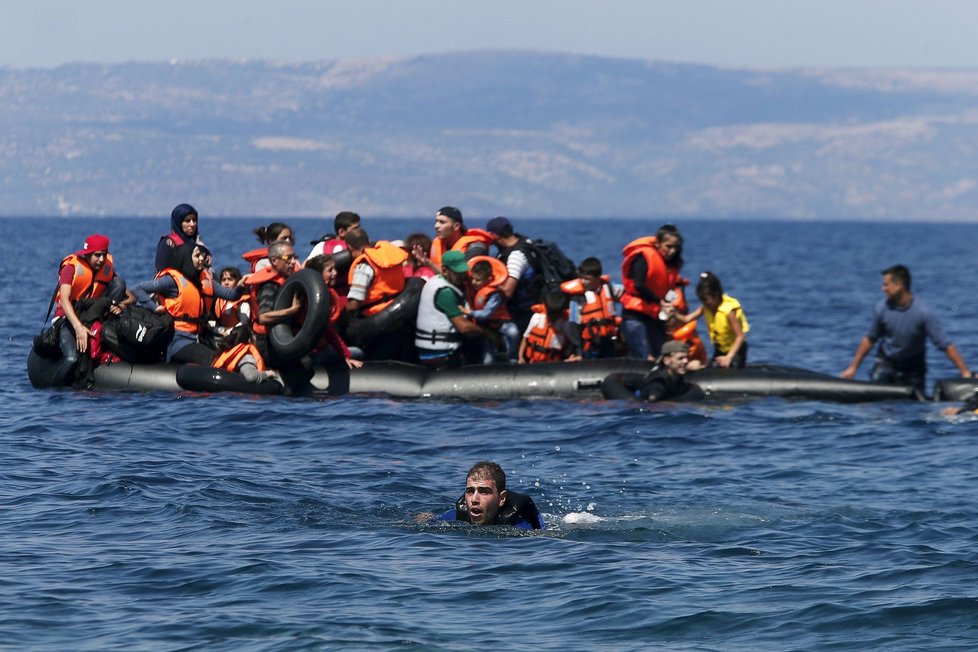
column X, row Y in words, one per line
column 666, row 381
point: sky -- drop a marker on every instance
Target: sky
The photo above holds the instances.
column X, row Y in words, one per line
column 735, row 33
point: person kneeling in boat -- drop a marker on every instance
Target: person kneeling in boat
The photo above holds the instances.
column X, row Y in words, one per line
column 486, row 501
column 550, row 335
column 666, row 381
column 725, row 321
column 331, row 347
column 441, row 324
column 185, row 290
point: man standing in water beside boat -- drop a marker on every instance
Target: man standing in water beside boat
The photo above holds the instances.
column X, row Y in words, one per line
column 486, row 501
column 902, row 324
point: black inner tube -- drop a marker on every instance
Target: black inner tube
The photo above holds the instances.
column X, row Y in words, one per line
column 291, row 346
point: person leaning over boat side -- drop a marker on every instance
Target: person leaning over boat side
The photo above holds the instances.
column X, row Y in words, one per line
column 88, row 273
column 186, row 292
column 666, row 381
column 487, row 501
column 725, row 322
column 451, row 235
column 649, row 271
column 183, row 229
column 902, row 323
column 441, row 324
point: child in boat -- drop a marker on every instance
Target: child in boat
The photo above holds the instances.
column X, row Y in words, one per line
column 331, row 347
column 550, row 336
column 725, row 321
column 488, row 306
column 592, row 305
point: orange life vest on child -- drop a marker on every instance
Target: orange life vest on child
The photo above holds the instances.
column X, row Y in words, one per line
column 687, row 333
column 86, row 283
column 543, row 343
column 255, row 281
column 480, row 297
column 660, row 278
column 192, row 305
column 230, row 359
column 471, row 236
column 598, row 318
column 386, row 260
column 226, row 310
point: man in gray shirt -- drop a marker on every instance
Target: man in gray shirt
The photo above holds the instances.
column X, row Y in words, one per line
column 902, row 325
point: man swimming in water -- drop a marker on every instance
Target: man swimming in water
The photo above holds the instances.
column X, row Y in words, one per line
column 486, row 501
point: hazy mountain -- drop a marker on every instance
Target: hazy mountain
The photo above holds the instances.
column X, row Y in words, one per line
column 516, row 133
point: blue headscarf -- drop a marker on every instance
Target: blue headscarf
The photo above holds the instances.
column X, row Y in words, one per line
column 177, row 216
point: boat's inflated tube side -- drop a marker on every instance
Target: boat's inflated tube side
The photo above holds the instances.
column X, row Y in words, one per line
column 789, row 382
column 955, row 389
column 201, row 378
column 402, row 311
column 291, row 346
column 397, row 379
column 120, row 376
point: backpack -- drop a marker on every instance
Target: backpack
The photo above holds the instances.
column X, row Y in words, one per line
column 138, row 334
column 552, row 264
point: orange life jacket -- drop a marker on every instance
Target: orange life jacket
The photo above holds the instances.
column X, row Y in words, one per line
column 232, row 357
column 687, row 333
column 386, row 260
column 86, row 283
column 462, row 244
column 541, row 341
column 192, row 305
column 256, row 280
column 254, row 256
column 598, row 318
column 226, row 310
column 480, row 297
column 336, row 306
column 660, row 278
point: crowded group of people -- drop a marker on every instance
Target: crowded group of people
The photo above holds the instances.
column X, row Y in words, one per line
column 480, row 295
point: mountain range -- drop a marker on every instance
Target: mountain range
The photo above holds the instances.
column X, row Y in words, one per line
column 493, row 132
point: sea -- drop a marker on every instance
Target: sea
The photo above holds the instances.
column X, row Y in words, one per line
column 154, row 521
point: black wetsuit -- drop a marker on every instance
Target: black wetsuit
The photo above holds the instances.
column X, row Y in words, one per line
column 657, row 385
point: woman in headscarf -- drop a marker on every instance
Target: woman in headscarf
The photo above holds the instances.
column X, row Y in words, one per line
column 183, row 229
column 186, row 291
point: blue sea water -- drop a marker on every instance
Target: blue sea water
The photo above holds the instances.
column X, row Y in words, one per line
column 224, row 522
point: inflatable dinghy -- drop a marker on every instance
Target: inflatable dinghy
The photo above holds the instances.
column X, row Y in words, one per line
column 498, row 382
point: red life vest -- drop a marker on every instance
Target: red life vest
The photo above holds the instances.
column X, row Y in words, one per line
column 542, row 340
column 386, row 260
column 462, row 244
column 598, row 318
column 256, row 280
column 192, row 305
column 232, row 357
column 660, row 279
column 480, row 297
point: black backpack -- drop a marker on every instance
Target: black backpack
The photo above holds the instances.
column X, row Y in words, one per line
column 551, row 263
column 138, row 334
